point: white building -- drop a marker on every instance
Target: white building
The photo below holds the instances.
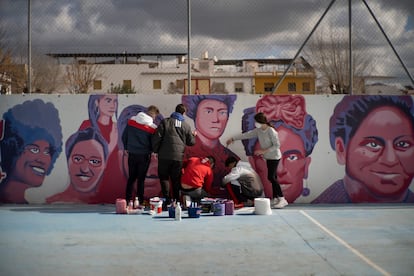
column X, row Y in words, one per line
column 152, row 73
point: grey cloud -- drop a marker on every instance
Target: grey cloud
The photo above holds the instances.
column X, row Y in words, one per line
column 228, row 28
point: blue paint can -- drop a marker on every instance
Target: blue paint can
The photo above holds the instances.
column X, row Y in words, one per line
column 219, row 209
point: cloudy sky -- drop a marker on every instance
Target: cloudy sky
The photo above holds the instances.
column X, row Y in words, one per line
column 225, row 28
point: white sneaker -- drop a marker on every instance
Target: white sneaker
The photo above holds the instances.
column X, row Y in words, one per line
column 274, row 202
column 281, row 204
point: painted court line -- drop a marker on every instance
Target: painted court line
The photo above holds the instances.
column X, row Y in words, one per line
column 341, row 241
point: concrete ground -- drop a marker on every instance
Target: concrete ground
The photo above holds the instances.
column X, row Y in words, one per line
column 298, row 240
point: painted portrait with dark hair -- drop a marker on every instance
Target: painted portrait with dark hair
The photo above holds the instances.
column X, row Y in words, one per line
column 103, row 112
column 30, row 144
column 210, row 114
column 373, row 137
column 86, row 154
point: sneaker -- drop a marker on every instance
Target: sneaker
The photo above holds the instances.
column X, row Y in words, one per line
column 249, row 203
column 281, row 204
column 238, row 206
column 274, row 202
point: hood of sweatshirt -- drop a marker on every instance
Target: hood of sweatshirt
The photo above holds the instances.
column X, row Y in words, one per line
column 144, row 119
column 178, row 116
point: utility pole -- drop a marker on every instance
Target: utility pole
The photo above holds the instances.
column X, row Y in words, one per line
column 189, row 46
column 29, row 48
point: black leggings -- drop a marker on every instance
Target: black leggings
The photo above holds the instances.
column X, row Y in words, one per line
column 272, row 177
column 137, row 167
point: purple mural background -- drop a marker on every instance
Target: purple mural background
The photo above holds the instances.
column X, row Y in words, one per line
column 336, row 149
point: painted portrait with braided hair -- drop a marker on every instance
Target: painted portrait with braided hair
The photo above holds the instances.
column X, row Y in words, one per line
column 298, row 136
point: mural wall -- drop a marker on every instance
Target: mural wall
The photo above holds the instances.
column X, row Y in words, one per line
column 335, row 149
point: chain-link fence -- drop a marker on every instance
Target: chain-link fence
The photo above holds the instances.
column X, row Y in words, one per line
column 39, row 36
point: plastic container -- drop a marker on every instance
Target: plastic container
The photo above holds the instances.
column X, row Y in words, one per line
column 229, row 207
column 207, row 205
column 171, row 211
column 136, row 203
column 156, row 205
column 178, row 211
column 121, row 206
column 194, row 212
column 219, row 209
column 262, row 206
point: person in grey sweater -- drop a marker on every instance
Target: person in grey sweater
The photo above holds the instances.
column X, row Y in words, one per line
column 169, row 141
column 269, row 150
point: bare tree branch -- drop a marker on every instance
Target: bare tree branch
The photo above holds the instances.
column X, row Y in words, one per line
column 79, row 77
column 330, row 58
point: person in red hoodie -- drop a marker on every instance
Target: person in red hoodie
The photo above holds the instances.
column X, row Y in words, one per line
column 137, row 144
column 197, row 177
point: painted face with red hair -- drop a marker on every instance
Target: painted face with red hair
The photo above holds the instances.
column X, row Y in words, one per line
column 297, row 135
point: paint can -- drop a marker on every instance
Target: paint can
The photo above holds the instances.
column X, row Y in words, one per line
column 219, row 209
column 229, row 207
column 171, row 211
column 194, row 212
column 262, row 206
column 121, row 206
column 156, row 205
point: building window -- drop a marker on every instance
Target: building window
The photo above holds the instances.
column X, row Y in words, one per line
column 127, row 84
column 306, row 86
column 292, row 87
column 218, row 87
column 268, row 86
column 156, row 84
column 238, row 87
column 97, row 85
column 221, row 86
column 203, row 65
column 180, row 84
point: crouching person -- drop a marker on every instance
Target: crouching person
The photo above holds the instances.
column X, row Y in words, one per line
column 197, row 177
column 242, row 183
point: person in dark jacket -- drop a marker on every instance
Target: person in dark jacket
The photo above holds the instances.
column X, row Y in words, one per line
column 137, row 144
column 169, row 141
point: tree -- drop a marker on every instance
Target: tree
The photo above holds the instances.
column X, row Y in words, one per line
column 118, row 89
column 12, row 75
column 173, row 89
column 79, row 77
column 328, row 52
column 45, row 72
